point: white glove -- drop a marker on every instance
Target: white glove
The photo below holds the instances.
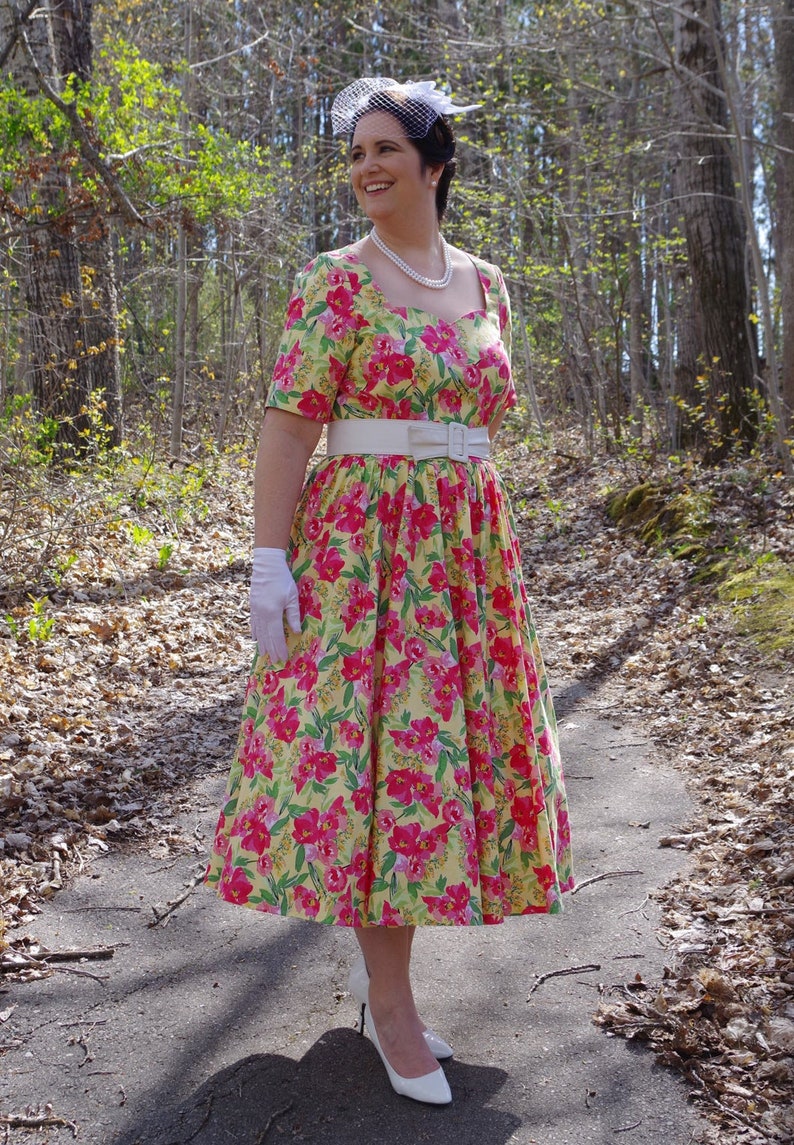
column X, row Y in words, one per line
column 273, row 592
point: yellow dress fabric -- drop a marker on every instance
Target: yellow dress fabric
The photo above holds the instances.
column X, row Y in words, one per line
column 402, row 767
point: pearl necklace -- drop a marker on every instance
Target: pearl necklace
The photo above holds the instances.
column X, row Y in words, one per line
column 423, row 280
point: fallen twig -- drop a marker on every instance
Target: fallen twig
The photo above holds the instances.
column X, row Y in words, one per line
column 36, row 1121
column 270, row 1121
column 606, row 875
column 628, row 1128
column 172, row 904
column 541, row 978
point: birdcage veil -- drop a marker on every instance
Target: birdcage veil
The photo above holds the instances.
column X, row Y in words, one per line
column 416, row 105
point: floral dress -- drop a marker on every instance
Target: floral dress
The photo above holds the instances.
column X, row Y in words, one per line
column 401, row 767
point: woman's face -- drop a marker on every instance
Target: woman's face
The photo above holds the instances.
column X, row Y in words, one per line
column 386, row 169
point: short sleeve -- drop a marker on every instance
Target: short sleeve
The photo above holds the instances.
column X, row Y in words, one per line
column 318, row 340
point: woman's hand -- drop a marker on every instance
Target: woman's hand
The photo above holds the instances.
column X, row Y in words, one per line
column 273, row 593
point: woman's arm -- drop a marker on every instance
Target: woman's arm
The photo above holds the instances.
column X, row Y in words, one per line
column 286, row 443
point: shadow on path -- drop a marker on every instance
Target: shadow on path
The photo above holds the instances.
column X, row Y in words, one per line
column 337, row 1094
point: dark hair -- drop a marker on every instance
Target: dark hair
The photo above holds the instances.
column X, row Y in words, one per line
column 435, row 144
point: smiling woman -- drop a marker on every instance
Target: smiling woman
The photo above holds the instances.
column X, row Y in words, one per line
column 397, row 763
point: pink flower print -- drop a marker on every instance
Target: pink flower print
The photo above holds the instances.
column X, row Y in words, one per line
column 442, row 339
column 235, row 886
column 386, row 821
column 485, row 820
column 392, row 629
column 453, row 906
column 414, row 867
column 358, row 606
column 343, row 910
column 525, row 809
column 221, row 842
column 306, row 900
column 430, row 616
column 294, row 310
column 286, row 367
column 482, row 767
column 431, row 843
column 428, row 793
column 415, row 649
column 545, row 744
column 331, row 820
column 390, row 916
column 306, row 828
column 476, row 514
column 352, row 734
column 563, row 832
column 254, row 835
column 304, row 667
column 392, row 682
column 546, row 876
column 450, row 400
column 340, row 299
column 335, row 879
column 389, row 513
column 464, row 606
column 361, row 870
column 522, row 762
column 309, row 600
column 253, row 755
column 326, row 850
column 399, row 567
column 452, row 812
column 446, row 692
column 462, row 778
column 422, row 520
column 510, row 789
column 314, row 764
column 337, row 324
column 362, row 797
column 351, row 508
column 315, row 405
column 494, row 889
column 503, row 600
column 438, row 579
column 404, row 839
column 357, row 667
column 335, row 276
column 419, row 738
column 283, row 721
column 525, row 835
column 264, row 865
column 400, row 785
column 470, row 660
column 388, row 361
column 328, row 565
column 312, row 527
column 451, row 496
column 400, row 410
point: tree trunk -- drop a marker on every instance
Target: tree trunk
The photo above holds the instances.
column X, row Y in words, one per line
column 713, row 225
column 784, row 55
column 69, row 286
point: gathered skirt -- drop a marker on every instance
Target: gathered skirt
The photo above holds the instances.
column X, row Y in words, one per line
column 402, row 766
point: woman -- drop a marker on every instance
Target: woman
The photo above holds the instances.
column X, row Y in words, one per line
column 397, row 763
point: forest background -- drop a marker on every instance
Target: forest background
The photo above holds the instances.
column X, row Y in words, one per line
column 166, row 168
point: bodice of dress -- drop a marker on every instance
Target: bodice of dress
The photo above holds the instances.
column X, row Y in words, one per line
column 347, row 353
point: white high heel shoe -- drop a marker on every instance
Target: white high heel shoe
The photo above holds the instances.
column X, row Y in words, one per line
column 358, row 985
column 432, row 1088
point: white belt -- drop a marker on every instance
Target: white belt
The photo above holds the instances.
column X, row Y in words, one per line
column 417, row 439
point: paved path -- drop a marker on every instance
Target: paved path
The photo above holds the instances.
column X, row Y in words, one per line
column 229, row 1027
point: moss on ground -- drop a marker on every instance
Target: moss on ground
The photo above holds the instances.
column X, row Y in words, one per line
column 677, row 519
column 763, row 599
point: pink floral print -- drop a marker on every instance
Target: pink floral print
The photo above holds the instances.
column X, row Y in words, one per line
column 401, row 767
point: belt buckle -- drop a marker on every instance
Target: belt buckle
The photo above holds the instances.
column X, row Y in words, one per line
column 458, row 441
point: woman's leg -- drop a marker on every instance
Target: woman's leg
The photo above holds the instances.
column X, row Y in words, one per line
column 387, row 953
